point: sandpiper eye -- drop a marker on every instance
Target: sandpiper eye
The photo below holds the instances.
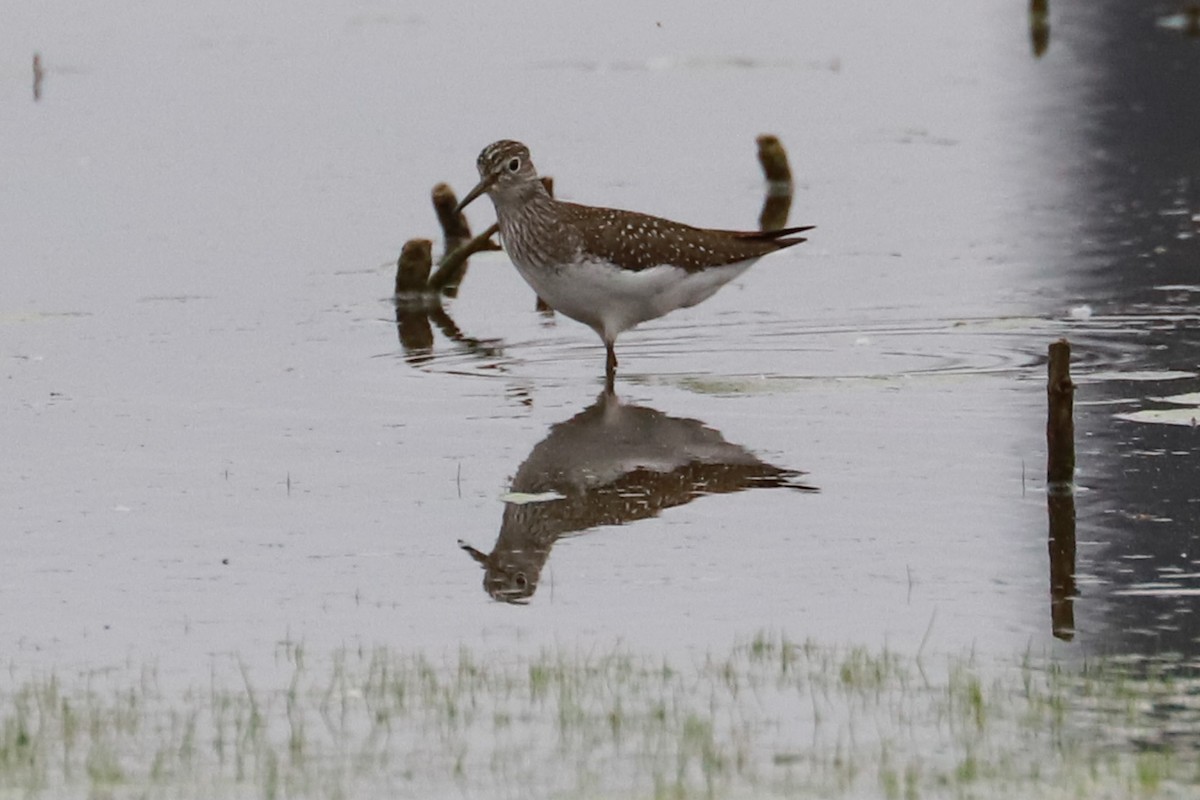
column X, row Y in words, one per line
column 514, row 165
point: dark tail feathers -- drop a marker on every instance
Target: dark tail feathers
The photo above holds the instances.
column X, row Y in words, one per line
column 776, row 236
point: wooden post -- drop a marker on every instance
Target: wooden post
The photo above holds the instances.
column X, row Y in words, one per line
column 455, row 229
column 453, row 265
column 1039, row 26
column 778, row 201
column 412, row 268
column 773, row 159
column 39, row 73
column 456, row 234
column 1060, row 420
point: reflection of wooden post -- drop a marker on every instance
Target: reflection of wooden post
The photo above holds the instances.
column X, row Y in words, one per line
column 1060, row 498
column 416, row 334
column 776, row 206
column 1061, row 507
column 1060, row 420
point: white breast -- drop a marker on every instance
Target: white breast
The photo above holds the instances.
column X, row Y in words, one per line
column 612, row 300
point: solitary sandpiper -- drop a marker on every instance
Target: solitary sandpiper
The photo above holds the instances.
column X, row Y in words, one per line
column 607, row 268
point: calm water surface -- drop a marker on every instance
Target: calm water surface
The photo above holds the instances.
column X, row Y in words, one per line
column 216, row 435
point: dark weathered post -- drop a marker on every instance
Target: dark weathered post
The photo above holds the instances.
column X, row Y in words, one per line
column 39, row 74
column 453, row 265
column 773, row 159
column 456, row 233
column 412, row 268
column 1060, row 419
column 455, row 229
column 1039, row 26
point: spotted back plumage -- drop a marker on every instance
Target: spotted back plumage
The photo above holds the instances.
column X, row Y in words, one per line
column 540, row 232
column 636, row 241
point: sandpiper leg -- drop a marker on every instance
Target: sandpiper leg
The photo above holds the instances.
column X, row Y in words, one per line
column 610, row 364
column 610, row 368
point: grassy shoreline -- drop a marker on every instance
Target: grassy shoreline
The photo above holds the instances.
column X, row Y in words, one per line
column 770, row 718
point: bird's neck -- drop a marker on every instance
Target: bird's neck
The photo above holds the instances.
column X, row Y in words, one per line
column 531, row 226
column 527, row 199
column 526, row 205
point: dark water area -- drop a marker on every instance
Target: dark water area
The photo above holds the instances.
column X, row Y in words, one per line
column 1136, row 193
column 1134, row 205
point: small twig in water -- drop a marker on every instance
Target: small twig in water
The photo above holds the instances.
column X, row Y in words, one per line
column 921, row 649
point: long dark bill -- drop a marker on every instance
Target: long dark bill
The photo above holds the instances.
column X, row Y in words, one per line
column 479, row 189
column 478, row 555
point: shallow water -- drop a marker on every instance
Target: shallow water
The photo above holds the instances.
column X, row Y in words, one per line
column 215, row 437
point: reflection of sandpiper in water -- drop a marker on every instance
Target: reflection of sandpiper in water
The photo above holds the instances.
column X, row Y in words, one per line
column 611, row 464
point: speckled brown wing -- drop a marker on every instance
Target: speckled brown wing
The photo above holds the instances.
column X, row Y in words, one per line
column 636, row 241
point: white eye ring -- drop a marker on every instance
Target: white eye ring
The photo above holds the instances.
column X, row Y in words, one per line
column 514, row 165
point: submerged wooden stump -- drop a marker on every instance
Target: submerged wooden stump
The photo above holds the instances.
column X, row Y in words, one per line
column 455, row 229
column 778, row 202
column 416, row 257
column 39, row 74
column 773, row 159
column 453, row 266
column 458, row 244
column 412, row 268
column 1039, row 26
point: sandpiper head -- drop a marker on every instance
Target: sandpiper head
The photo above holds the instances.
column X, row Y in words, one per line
column 504, row 578
column 504, row 167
